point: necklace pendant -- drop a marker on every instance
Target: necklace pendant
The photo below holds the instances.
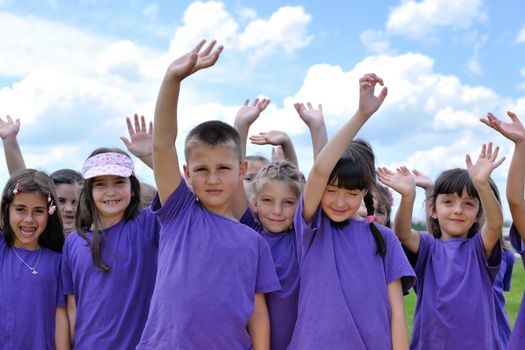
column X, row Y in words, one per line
column 34, row 272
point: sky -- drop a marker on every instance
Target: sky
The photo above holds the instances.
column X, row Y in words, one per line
column 71, row 71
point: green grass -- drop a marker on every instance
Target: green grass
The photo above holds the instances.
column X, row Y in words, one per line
column 513, row 297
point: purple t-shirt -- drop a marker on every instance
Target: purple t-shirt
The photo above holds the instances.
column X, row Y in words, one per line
column 343, row 299
column 282, row 304
column 112, row 307
column 517, row 338
column 209, row 269
column 455, row 304
column 28, row 302
column 501, row 284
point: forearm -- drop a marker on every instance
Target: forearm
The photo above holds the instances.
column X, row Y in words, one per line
column 72, row 317
column 516, row 178
column 62, row 330
column 398, row 323
column 259, row 325
column 289, row 152
column 319, row 138
column 165, row 120
column 148, row 160
column 403, row 223
column 491, row 230
column 243, row 129
column 13, row 155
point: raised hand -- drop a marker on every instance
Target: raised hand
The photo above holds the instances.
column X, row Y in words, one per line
column 194, row 60
column 487, row 161
column 422, row 180
column 514, row 130
column 369, row 103
column 272, row 137
column 140, row 142
column 402, row 181
column 310, row 116
column 247, row 114
column 9, row 128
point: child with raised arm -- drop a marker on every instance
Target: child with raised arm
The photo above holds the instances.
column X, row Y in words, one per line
column 343, row 259
column 212, row 270
column 515, row 132
column 455, row 267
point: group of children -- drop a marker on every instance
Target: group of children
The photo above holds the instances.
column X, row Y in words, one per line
column 237, row 254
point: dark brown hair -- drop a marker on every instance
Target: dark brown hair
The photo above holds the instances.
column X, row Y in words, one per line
column 213, row 133
column 88, row 220
column 355, row 170
column 31, row 180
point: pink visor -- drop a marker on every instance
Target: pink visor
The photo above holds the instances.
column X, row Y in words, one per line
column 110, row 163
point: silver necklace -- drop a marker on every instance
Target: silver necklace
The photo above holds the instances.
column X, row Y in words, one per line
column 32, row 269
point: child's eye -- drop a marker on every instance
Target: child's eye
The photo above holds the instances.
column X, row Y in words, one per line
column 248, row 178
column 40, row 211
column 289, row 204
column 200, row 169
column 224, row 168
column 266, row 200
column 61, row 200
column 20, row 209
column 98, row 184
column 470, row 204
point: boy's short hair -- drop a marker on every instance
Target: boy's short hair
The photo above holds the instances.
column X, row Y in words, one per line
column 213, row 133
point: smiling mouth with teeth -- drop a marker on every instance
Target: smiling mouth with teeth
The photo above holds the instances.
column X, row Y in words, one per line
column 28, row 231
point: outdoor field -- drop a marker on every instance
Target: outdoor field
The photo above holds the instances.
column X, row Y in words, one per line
column 513, row 297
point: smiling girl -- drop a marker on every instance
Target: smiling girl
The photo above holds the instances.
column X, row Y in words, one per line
column 32, row 304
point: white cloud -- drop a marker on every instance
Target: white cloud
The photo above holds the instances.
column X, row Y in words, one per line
column 520, row 38
column 123, row 59
column 417, row 19
column 474, row 67
column 376, row 41
column 247, row 13
column 37, row 46
column 286, row 30
column 450, row 119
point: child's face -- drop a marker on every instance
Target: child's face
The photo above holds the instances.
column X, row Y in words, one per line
column 455, row 214
column 67, row 204
column 28, row 213
column 275, row 205
column 214, row 175
column 112, row 195
column 340, row 204
column 251, row 173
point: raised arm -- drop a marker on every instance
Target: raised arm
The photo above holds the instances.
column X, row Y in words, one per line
column 479, row 174
column 313, row 118
column 404, row 183
column 165, row 158
column 332, row 151
column 277, row 138
column 13, row 154
column 515, row 132
column 140, row 142
column 425, row 182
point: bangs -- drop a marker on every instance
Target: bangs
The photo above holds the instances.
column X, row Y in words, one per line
column 455, row 181
column 351, row 175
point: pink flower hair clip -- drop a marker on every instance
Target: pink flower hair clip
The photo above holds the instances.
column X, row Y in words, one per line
column 16, row 190
column 52, row 208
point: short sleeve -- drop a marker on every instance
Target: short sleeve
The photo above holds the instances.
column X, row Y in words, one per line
column 248, row 219
column 507, row 277
column 493, row 262
column 66, row 276
column 516, row 241
column 267, row 280
column 396, row 263
column 305, row 232
column 150, row 224
column 178, row 202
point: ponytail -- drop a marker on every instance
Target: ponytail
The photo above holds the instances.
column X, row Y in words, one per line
column 380, row 242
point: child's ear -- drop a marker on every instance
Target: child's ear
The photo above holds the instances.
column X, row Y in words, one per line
column 253, row 200
column 186, row 173
column 243, row 168
column 432, row 209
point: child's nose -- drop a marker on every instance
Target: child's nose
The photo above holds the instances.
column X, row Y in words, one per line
column 213, row 178
column 277, row 208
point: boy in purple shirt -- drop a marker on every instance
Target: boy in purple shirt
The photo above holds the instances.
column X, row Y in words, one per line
column 212, row 271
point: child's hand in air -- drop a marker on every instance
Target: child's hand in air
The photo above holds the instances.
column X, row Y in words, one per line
column 272, row 137
column 422, row 180
column 140, row 142
column 514, row 130
column 9, row 128
column 402, row 181
column 368, row 102
column 487, row 161
column 194, row 61
column 310, row 116
column 247, row 114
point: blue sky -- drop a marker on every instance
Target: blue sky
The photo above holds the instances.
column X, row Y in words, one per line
column 72, row 70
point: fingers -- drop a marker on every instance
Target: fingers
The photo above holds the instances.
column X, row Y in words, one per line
column 131, row 131
column 199, row 46
column 150, row 129
column 136, row 122
column 468, row 160
column 208, row 49
column 126, row 142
